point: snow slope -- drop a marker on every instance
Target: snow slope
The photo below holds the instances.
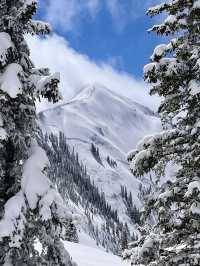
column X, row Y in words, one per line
column 114, row 124
column 86, row 253
column 90, row 256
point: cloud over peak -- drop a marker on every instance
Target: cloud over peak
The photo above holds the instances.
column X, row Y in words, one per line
column 78, row 70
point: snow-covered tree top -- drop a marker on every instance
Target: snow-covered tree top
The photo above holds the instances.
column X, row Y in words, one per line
column 13, row 45
column 174, row 73
column 168, row 61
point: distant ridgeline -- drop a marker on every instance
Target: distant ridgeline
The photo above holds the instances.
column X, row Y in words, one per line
column 73, row 182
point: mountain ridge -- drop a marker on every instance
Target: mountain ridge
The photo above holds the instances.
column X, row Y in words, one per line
column 89, row 90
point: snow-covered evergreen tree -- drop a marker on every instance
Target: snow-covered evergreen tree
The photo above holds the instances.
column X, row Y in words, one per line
column 31, row 211
column 175, row 76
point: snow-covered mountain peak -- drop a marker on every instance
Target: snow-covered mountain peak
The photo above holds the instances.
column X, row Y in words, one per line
column 111, row 123
column 100, row 116
column 87, row 92
column 99, row 93
column 98, row 111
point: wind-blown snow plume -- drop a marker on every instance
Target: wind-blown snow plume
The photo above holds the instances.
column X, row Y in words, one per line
column 78, row 71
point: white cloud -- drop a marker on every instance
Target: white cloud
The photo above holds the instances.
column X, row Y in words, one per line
column 119, row 13
column 125, row 12
column 67, row 15
column 78, row 70
column 93, row 6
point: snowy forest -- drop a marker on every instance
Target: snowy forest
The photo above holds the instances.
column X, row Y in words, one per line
column 99, row 164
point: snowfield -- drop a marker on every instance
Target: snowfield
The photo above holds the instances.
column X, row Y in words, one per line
column 91, row 256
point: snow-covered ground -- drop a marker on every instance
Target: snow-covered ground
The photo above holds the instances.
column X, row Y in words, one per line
column 92, row 256
column 86, row 253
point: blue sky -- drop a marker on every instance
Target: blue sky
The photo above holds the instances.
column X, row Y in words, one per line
column 97, row 42
column 112, row 31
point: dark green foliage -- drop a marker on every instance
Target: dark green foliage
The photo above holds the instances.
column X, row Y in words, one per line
column 144, row 192
column 111, row 162
column 132, row 211
column 124, row 238
column 95, row 153
column 71, row 232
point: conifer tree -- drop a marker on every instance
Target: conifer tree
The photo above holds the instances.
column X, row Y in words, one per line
column 31, row 211
column 175, row 76
column 124, row 239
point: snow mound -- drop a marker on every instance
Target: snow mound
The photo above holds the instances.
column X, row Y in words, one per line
column 10, row 81
column 88, row 256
